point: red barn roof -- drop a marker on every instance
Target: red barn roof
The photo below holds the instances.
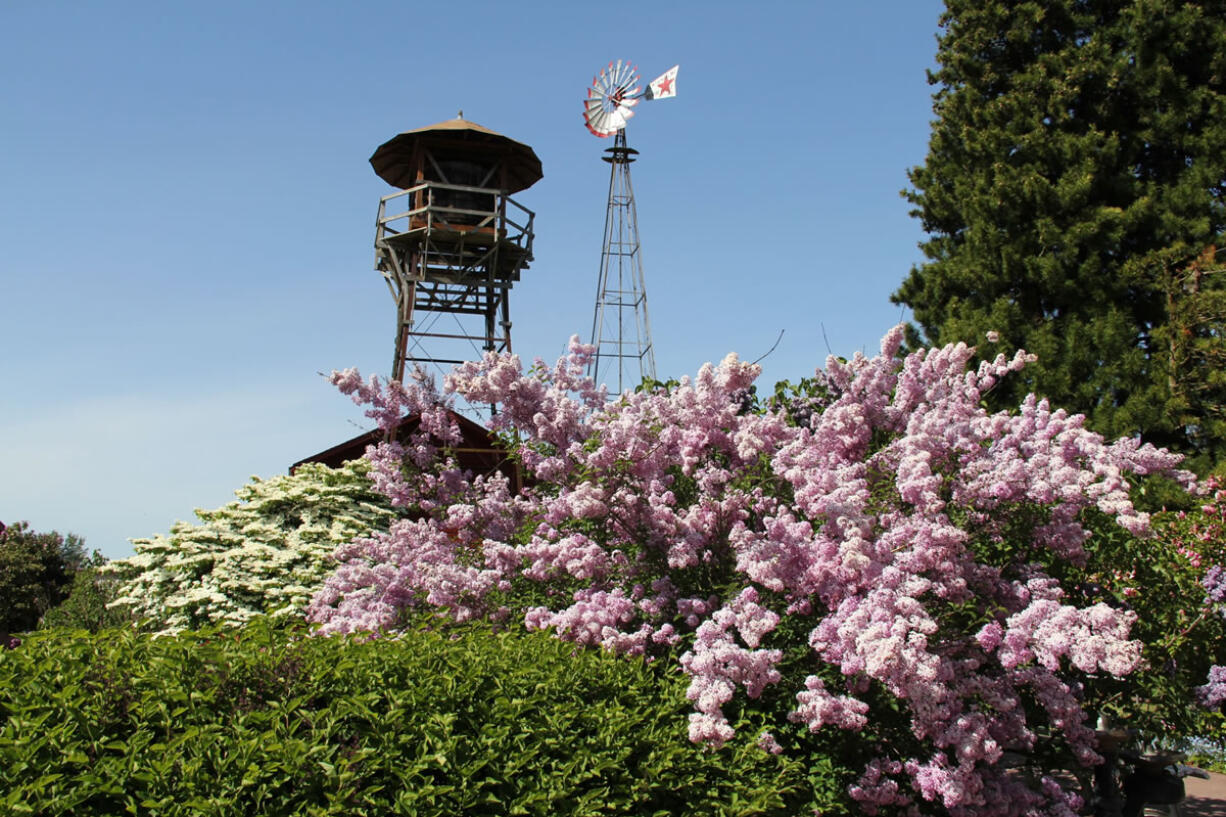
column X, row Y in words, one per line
column 479, row 450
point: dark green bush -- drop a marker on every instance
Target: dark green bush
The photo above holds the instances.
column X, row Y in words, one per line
column 36, row 570
column 86, row 605
column 260, row 721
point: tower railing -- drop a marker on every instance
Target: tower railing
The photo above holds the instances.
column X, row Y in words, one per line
column 436, row 212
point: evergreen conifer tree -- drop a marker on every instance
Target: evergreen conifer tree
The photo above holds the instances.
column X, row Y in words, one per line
column 1074, row 184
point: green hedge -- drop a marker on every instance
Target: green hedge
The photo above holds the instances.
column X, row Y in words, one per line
column 270, row 721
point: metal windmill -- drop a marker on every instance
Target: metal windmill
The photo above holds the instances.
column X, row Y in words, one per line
column 621, row 331
column 451, row 242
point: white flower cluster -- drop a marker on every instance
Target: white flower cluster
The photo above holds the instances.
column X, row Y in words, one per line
column 265, row 553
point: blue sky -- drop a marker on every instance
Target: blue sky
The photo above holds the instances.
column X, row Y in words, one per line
column 187, row 212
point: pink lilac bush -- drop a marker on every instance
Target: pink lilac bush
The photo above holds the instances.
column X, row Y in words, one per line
column 901, row 529
column 1213, row 694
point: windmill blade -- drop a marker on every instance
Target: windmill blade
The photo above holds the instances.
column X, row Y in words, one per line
column 597, row 124
column 603, row 82
column 596, row 115
column 596, row 103
column 603, row 130
column 616, row 121
column 626, row 78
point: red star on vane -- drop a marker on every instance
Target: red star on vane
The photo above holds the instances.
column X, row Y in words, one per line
column 666, row 85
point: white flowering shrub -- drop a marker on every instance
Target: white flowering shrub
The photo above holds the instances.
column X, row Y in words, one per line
column 267, row 552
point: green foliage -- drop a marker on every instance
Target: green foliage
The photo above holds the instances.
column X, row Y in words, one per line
column 36, row 570
column 1205, row 753
column 800, row 401
column 87, row 606
column 1076, row 172
column 265, row 553
column 259, row 720
column 1159, row 579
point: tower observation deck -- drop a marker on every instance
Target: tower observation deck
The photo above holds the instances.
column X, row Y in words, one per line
column 452, row 242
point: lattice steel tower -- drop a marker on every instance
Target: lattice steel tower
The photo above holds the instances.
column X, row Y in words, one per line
column 621, row 329
column 451, row 243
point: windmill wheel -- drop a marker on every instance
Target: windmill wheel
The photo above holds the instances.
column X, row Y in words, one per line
column 612, row 95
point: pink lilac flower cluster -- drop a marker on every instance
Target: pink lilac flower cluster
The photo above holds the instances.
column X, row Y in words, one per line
column 1215, row 585
column 899, row 528
column 1213, row 694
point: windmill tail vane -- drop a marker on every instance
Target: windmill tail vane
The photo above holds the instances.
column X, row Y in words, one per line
column 616, row 90
column 663, row 86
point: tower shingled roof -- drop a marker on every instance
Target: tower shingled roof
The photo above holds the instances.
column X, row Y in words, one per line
column 393, row 162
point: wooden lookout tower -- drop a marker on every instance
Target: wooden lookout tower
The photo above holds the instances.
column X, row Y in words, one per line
column 451, row 242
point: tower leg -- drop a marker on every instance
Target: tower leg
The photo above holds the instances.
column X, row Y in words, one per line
column 491, row 323
column 404, row 327
column 506, row 321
